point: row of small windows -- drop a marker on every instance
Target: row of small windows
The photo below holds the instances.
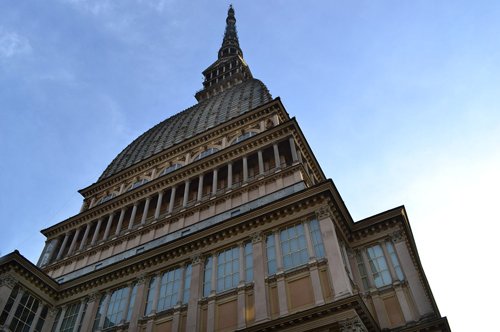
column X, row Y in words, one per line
column 176, row 166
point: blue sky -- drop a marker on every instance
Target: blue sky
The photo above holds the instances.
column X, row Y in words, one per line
column 398, row 99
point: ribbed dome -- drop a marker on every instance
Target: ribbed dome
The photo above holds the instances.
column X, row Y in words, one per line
column 215, row 110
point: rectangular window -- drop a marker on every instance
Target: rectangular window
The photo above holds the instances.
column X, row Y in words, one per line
column 362, row 271
column 271, row 254
column 395, row 261
column 316, row 239
column 41, row 320
column 248, row 262
column 151, row 295
column 169, row 289
column 228, row 275
column 207, row 277
column 25, row 313
column 378, row 265
column 116, row 307
column 8, row 305
column 187, row 283
column 293, row 246
column 70, row 316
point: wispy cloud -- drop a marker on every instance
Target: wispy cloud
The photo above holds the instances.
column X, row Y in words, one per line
column 12, row 44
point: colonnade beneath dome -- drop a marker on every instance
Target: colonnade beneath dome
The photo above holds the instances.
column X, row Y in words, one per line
column 178, row 197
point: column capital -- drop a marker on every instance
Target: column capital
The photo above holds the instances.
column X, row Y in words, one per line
column 196, row 259
column 141, row 279
column 256, row 237
column 53, row 311
column 324, row 212
column 8, row 281
column 397, row 236
column 93, row 296
column 352, row 325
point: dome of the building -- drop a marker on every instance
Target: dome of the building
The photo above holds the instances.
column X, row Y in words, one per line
column 208, row 113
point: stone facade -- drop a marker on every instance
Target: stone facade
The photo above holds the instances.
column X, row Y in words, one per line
column 232, row 226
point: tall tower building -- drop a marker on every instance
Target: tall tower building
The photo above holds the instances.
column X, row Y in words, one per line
column 220, row 218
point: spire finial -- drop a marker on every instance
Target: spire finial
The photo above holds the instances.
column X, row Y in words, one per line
column 230, row 68
column 230, row 44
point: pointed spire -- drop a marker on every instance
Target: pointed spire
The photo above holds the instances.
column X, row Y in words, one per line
column 230, row 68
column 230, row 44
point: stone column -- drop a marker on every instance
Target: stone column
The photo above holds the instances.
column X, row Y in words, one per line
column 422, row 303
column 63, row 246
column 245, row 169
column 194, row 294
column 145, row 212
column 403, row 302
column 85, row 236
column 96, row 231
column 158, row 205
column 186, row 193
column 229, row 175
column 388, row 260
column 259, row 288
column 316, row 284
column 154, row 307
column 282, row 295
column 88, row 318
column 214, row 182
column 200, row 188
column 73, row 242
column 132, row 216
column 340, row 280
column 279, row 255
column 51, row 252
column 172, row 200
column 120, row 221
column 293, row 149
column 108, row 226
column 241, row 316
column 130, row 287
column 277, row 160
column 49, row 320
column 261, row 162
column 369, row 273
column 310, row 247
column 138, row 304
column 7, row 284
column 80, row 313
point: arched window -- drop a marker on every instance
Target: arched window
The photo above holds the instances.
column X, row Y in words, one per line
column 138, row 183
column 205, row 153
column 244, row 136
column 171, row 168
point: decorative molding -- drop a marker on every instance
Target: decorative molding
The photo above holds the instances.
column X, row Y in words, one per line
column 397, row 236
column 93, row 296
column 256, row 237
column 196, row 259
column 8, row 280
column 352, row 325
column 324, row 212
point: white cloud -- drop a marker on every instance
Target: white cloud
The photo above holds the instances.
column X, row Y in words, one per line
column 12, row 44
